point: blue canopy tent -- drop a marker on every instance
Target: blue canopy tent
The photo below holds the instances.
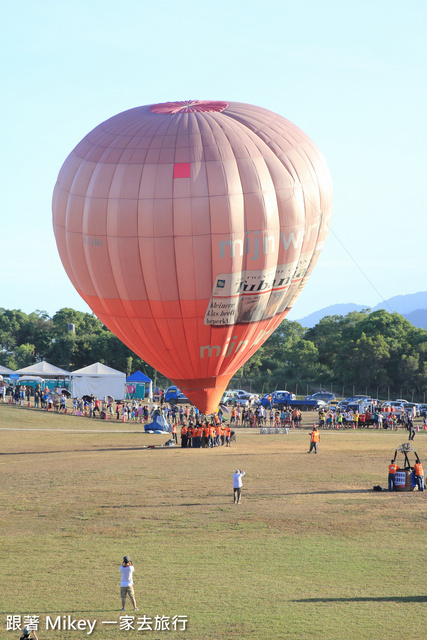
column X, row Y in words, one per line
column 140, row 380
column 159, row 425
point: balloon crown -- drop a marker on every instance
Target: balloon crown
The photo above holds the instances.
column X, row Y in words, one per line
column 188, row 106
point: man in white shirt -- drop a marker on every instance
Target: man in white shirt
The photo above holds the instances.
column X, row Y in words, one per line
column 126, row 583
column 237, row 485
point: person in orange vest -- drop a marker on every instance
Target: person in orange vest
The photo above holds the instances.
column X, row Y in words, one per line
column 314, row 439
column 206, row 435
column 216, row 433
column 190, row 436
column 211, row 436
column 183, row 436
column 200, row 433
column 174, row 436
column 419, row 475
column 392, row 468
column 227, row 436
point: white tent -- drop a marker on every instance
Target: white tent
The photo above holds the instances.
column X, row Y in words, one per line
column 44, row 370
column 5, row 371
column 99, row 380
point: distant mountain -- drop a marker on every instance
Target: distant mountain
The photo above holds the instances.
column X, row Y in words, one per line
column 418, row 318
column 405, row 304
column 412, row 306
column 333, row 310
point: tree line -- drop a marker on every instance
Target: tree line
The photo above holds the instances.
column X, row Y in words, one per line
column 378, row 353
column 26, row 339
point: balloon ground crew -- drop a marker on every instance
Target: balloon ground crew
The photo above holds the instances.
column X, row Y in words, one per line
column 314, row 439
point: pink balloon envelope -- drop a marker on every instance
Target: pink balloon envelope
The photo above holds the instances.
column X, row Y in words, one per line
column 190, row 228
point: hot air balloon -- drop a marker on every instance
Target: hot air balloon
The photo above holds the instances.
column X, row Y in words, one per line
column 190, row 228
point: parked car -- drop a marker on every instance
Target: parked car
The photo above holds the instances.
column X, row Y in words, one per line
column 241, row 398
column 226, row 397
column 321, row 395
column 412, row 405
column 361, row 398
column 423, row 410
column 238, row 392
column 397, row 404
column 173, row 395
column 333, row 404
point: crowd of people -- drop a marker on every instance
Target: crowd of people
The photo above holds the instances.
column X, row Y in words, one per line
column 352, row 419
column 191, row 419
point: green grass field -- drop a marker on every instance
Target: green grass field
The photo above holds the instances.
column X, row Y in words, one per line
column 311, row 553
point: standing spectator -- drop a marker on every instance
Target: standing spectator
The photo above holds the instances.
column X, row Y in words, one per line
column 419, row 475
column 410, row 427
column 237, row 485
column 392, row 468
column 314, row 439
column 63, row 403
column 126, row 583
column 183, row 436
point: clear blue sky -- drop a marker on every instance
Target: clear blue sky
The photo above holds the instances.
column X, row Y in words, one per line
column 351, row 75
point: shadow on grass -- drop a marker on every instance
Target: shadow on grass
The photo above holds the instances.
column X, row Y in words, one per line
column 156, row 447
column 313, row 493
column 419, row 599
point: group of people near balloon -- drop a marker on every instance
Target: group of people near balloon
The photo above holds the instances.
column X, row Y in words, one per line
column 206, row 435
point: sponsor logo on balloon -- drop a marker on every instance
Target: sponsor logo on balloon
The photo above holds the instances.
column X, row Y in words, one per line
column 92, row 242
column 259, row 242
column 251, row 296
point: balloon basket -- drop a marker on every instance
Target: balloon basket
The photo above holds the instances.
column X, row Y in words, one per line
column 403, row 480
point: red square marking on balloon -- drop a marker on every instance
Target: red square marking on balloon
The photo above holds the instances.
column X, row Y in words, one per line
column 182, row 170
